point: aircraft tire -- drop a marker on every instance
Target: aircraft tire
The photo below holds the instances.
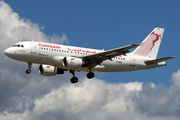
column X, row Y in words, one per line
column 28, row 71
column 74, row 80
column 90, row 75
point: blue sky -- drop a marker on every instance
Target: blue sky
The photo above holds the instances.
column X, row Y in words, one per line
column 103, row 24
column 110, row 24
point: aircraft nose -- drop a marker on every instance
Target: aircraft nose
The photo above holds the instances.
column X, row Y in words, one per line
column 8, row 52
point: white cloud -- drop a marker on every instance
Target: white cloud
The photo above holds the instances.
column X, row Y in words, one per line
column 95, row 99
column 56, row 39
column 98, row 100
column 176, row 78
column 92, row 94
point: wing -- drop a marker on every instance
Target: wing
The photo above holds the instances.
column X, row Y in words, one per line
column 158, row 60
column 97, row 58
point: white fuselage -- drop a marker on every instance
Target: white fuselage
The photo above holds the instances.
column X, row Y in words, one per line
column 44, row 53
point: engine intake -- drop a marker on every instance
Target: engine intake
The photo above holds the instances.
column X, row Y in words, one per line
column 73, row 62
column 48, row 70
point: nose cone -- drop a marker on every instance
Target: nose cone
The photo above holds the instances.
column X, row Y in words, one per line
column 8, row 52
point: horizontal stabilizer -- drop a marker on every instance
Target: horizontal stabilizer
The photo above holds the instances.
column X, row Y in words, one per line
column 158, row 60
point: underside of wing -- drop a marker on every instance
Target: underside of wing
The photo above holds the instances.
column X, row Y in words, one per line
column 97, row 58
column 158, row 60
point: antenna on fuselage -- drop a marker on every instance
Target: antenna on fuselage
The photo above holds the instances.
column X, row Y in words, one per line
column 32, row 40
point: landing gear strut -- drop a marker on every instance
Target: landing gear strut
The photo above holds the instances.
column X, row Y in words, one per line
column 28, row 71
column 74, row 79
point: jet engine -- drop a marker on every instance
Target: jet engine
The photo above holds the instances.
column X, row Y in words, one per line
column 58, row 60
column 73, row 62
column 48, row 70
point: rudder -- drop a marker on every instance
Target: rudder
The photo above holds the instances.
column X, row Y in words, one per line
column 150, row 46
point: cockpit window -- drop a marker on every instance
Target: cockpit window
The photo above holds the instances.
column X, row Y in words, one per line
column 18, row 45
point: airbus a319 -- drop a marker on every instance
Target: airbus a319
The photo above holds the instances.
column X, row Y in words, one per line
column 55, row 59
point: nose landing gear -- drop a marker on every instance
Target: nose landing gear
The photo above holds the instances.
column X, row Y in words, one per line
column 28, row 71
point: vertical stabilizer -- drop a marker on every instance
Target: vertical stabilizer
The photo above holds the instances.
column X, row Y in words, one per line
column 150, row 46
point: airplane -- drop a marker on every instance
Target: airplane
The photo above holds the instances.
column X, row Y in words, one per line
column 56, row 59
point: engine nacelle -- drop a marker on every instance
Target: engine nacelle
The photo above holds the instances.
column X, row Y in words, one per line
column 48, row 70
column 58, row 60
column 73, row 62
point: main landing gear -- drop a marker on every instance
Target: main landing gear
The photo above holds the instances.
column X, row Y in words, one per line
column 28, row 71
column 90, row 75
column 74, row 79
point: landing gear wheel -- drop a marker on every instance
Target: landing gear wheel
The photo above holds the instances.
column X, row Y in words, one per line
column 28, row 71
column 74, row 80
column 90, row 75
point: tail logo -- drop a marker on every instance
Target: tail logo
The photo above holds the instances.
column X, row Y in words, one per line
column 146, row 47
column 157, row 38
